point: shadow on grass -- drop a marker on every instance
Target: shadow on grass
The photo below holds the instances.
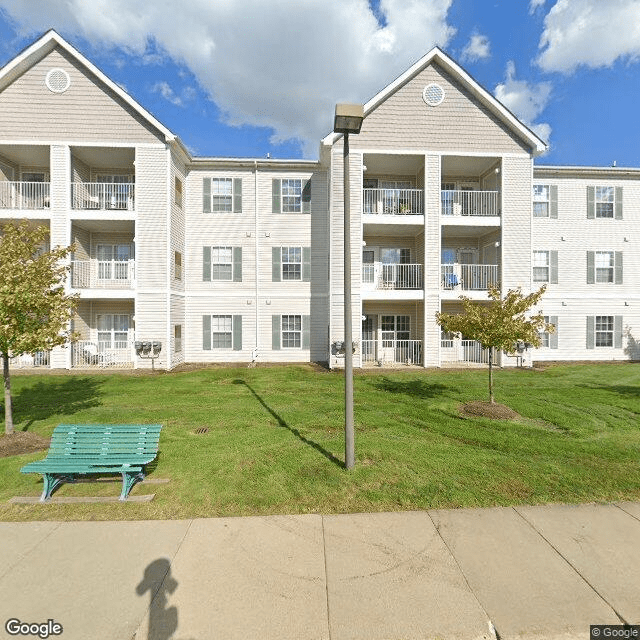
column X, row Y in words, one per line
column 327, row 454
column 45, row 399
column 415, row 388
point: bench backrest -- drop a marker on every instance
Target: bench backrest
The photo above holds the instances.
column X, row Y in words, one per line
column 120, row 442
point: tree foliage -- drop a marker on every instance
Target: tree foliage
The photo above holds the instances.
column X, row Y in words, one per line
column 501, row 324
column 35, row 309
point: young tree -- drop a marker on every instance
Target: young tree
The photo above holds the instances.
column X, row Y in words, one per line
column 499, row 325
column 34, row 309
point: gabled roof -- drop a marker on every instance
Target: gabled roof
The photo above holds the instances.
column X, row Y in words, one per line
column 456, row 71
column 49, row 41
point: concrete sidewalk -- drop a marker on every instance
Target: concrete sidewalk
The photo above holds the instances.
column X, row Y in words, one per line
column 527, row 572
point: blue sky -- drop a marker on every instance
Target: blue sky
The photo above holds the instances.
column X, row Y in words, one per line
column 250, row 77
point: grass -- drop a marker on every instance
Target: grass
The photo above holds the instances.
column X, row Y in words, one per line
column 275, row 440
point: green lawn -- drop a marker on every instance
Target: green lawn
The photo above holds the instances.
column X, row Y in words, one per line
column 275, row 439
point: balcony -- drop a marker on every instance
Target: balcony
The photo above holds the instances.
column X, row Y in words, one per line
column 392, row 276
column 90, row 354
column 102, row 274
column 465, row 352
column 470, row 203
column 24, row 195
column 103, row 195
column 392, row 202
column 390, row 352
column 469, row 277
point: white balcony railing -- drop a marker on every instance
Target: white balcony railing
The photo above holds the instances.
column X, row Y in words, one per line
column 24, row 195
column 102, row 274
column 392, row 202
column 470, row 203
column 88, row 353
column 392, row 276
column 456, row 351
column 30, row 360
column 103, row 195
column 469, row 277
column 392, row 351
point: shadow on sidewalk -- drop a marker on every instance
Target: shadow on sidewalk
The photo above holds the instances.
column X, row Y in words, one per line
column 283, row 423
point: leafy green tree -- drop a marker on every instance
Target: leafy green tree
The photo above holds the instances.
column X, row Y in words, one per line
column 34, row 308
column 500, row 324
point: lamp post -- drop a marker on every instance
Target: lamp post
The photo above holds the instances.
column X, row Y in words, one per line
column 348, row 119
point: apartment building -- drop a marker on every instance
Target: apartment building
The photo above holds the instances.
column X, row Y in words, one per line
column 241, row 260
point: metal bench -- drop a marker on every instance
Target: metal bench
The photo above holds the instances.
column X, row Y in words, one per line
column 85, row 449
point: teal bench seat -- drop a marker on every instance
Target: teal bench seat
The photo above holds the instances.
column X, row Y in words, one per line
column 85, row 449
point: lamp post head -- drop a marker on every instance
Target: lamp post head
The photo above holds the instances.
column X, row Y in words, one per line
column 348, row 118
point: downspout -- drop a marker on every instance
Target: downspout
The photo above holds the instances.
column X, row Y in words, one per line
column 254, row 355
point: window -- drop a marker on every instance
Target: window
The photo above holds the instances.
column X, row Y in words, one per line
column 541, row 266
column 292, row 263
column 113, row 331
column 177, row 192
column 177, row 338
column 177, row 263
column 604, row 202
column 394, row 328
column 604, row 267
column 222, row 263
column 540, row 201
column 604, row 331
column 291, row 195
column 291, row 332
column 395, row 256
column 113, row 261
column 549, row 340
column 115, row 191
column 221, row 332
column 446, row 339
column 220, row 195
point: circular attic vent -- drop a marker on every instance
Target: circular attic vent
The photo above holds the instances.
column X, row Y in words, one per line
column 433, row 94
column 57, row 80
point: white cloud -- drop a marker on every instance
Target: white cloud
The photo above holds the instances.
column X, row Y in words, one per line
column 526, row 100
column 594, row 33
column 534, row 5
column 478, row 48
column 165, row 90
column 281, row 64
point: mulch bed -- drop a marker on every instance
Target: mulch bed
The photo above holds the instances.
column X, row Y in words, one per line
column 22, row 442
column 495, row 411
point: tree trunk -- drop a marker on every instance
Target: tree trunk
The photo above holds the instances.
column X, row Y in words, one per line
column 491, row 399
column 8, row 413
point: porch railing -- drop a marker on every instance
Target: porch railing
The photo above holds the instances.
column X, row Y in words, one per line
column 393, row 202
column 456, row 351
column 470, row 203
column 102, row 274
column 392, row 351
column 29, row 360
column 24, row 195
column 393, row 276
column 92, row 353
column 469, row 277
column 103, row 195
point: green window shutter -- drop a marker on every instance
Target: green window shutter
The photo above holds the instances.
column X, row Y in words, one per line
column 306, row 264
column 237, row 333
column 553, row 337
column 276, row 270
column 237, row 264
column 306, row 332
column 306, row 197
column 553, row 267
column 206, row 195
column 206, row 264
column 553, row 201
column 618, row 205
column 617, row 332
column 237, row 195
column 591, row 202
column 618, row 267
column 276, row 185
column 591, row 330
column 206, row 333
column 275, row 332
column 591, row 267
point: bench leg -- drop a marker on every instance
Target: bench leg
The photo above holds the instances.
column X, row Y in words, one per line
column 51, row 483
column 128, row 480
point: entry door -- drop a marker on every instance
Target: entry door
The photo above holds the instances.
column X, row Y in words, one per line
column 368, row 268
column 369, row 338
